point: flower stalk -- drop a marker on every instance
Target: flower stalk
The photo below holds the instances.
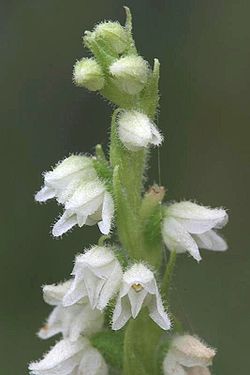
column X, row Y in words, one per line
column 112, row 313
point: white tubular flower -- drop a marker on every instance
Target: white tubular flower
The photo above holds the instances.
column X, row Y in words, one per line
column 61, row 182
column 130, row 74
column 90, row 204
column 188, row 356
column 87, row 73
column 70, row 321
column 136, row 131
column 188, row 227
column 97, row 275
column 114, row 34
column 71, row 358
column 139, row 289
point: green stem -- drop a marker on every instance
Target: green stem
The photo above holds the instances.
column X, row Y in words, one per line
column 167, row 277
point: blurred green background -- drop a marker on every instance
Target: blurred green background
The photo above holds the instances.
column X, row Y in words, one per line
column 204, row 49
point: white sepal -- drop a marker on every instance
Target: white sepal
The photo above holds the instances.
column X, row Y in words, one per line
column 62, row 181
column 197, row 219
column 188, row 226
column 90, row 204
column 97, row 275
column 130, row 74
column 139, row 289
column 188, row 355
column 136, row 131
column 71, row 321
column 68, row 358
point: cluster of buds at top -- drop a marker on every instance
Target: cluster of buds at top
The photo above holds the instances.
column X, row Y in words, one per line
column 115, row 69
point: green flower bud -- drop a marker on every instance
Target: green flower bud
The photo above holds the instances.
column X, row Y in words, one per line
column 130, row 74
column 87, row 73
column 113, row 34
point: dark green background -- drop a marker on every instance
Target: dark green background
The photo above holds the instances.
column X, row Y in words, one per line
column 204, row 49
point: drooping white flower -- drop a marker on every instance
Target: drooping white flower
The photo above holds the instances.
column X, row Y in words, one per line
column 139, row 289
column 137, row 131
column 130, row 74
column 61, row 182
column 88, row 73
column 188, row 356
column 71, row 358
column 97, row 275
column 71, row 321
column 188, row 227
column 90, row 204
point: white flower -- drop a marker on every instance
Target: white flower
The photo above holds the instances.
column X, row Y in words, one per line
column 61, row 182
column 139, row 289
column 71, row 358
column 71, row 321
column 188, row 356
column 97, row 274
column 188, row 227
column 87, row 73
column 136, row 131
column 113, row 34
column 130, row 74
column 90, row 204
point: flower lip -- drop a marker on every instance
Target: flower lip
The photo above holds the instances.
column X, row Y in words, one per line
column 137, row 287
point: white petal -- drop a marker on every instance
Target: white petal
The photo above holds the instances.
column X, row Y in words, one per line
column 44, row 194
column 157, row 312
column 134, row 129
column 81, row 219
column 76, row 292
column 177, row 239
column 110, row 287
column 210, row 240
column 68, row 168
column 138, row 273
column 96, row 258
column 156, row 137
column 67, row 221
column 88, row 196
column 136, row 300
column 122, row 313
column 53, row 294
column 61, row 359
column 195, row 218
column 92, row 363
column 93, row 285
column 171, row 366
column 53, row 325
column 107, row 213
column 81, row 319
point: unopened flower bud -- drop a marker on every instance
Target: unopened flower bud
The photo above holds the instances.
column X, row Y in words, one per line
column 87, row 73
column 130, row 74
column 113, row 34
column 188, row 355
column 136, row 131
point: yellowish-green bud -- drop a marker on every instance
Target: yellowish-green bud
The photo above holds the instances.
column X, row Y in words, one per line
column 87, row 73
column 130, row 74
column 113, row 34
